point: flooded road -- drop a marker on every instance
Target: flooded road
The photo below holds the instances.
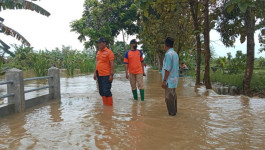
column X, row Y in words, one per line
column 79, row 120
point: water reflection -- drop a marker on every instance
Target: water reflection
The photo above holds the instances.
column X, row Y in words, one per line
column 104, row 137
column 56, row 112
column 79, row 120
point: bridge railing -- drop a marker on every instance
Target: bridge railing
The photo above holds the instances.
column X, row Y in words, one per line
column 16, row 93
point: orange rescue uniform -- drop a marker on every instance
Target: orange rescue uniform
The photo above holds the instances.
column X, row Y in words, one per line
column 134, row 59
column 103, row 62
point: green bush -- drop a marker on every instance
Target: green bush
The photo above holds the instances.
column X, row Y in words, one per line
column 70, row 62
column 257, row 82
column 85, row 63
column 231, row 65
column 40, row 63
column 228, row 79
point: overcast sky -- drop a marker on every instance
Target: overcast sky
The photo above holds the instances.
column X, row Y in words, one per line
column 54, row 31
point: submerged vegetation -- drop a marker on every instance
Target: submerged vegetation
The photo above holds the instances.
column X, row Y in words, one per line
column 40, row 61
column 26, row 58
column 189, row 22
column 229, row 71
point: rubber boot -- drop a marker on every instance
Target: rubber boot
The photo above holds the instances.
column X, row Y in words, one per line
column 135, row 95
column 110, row 101
column 105, row 100
column 142, row 94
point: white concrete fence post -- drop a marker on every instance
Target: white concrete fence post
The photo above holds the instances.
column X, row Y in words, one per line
column 54, row 82
column 17, row 88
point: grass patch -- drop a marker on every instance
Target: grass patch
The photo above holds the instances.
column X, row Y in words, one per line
column 228, row 79
column 257, row 82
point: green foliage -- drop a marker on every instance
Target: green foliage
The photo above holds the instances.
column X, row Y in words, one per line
column 155, row 67
column 119, row 51
column 228, row 79
column 22, row 58
column 119, row 68
column 237, row 80
column 105, row 19
column 232, row 65
column 231, row 24
column 159, row 20
column 22, row 4
column 70, row 62
column 236, row 65
column 221, row 62
column 85, row 63
column 40, row 63
column 261, row 62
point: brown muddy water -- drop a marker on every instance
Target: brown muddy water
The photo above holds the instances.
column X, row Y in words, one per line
column 205, row 120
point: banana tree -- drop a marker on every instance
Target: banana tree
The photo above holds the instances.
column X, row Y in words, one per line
column 17, row 4
column 5, row 48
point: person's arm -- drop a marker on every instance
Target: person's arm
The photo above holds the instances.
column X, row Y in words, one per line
column 95, row 72
column 143, row 68
column 167, row 68
column 112, row 70
column 126, row 71
column 112, row 67
column 111, row 60
column 165, row 79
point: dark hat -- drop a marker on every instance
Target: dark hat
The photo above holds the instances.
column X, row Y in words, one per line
column 101, row 39
column 133, row 41
column 169, row 42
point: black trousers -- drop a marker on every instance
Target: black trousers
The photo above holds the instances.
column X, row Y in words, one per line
column 104, row 85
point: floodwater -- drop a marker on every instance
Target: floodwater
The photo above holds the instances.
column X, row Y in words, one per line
column 205, row 120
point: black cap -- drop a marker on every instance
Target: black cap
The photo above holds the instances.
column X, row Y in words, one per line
column 169, row 42
column 133, row 41
column 101, row 39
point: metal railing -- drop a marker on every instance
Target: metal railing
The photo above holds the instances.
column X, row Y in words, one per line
column 38, row 78
column 37, row 89
column 15, row 87
column 6, row 95
column 26, row 91
column 6, row 82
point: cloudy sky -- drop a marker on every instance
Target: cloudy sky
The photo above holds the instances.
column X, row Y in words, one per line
column 54, row 31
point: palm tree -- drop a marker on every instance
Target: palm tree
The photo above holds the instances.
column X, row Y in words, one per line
column 17, row 4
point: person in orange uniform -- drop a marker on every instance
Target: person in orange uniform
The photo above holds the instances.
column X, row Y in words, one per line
column 104, row 71
column 134, row 64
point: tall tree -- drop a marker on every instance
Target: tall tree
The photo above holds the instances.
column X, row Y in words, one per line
column 105, row 18
column 242, row 18
column 195, row 12
column 161, row 19
column 206, row 33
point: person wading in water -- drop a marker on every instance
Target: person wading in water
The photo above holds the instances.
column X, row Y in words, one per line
column 170, row 74
column 104, row 71
column 134, row 64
